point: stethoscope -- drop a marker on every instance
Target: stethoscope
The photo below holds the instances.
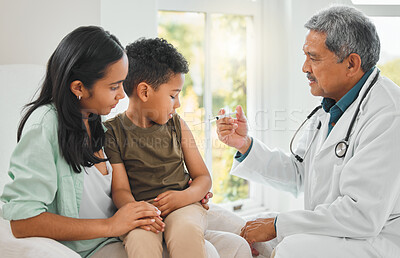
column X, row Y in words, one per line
column 342, row 146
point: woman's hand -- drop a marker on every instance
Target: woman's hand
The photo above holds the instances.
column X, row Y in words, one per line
column 234, row 132
column 131, row 216
column 169, row 201
column 156, row 227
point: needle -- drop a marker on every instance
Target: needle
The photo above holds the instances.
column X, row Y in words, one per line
column 221, row 116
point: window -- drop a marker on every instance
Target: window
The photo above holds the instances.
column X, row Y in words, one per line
column 376, row 2
column 385, row 14
column 217, row 47
column 216, row 51
column 389, row 62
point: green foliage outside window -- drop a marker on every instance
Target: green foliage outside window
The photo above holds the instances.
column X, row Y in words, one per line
column 391, row 70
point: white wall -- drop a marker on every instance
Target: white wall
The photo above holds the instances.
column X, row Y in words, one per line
column 31, row 30
column 130, row 19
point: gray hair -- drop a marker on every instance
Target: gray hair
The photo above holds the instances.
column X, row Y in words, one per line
column 348, row 31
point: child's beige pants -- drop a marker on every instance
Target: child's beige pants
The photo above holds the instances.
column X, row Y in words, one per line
column 183, row 235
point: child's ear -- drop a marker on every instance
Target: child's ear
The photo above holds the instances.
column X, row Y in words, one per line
column 77, row 89
column 143, row 90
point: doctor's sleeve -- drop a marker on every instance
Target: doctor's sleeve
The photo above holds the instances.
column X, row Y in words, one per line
column 273, row 167
column 34, row 176
column 369, row 188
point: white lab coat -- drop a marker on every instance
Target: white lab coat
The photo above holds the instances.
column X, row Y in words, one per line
column 355, row 197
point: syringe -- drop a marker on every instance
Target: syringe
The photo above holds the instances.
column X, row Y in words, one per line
column 215, row 118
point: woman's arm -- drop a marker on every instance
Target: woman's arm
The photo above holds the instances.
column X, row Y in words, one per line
column 63, row 228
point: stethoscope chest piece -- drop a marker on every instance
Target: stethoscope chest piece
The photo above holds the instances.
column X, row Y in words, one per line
column 341, row 149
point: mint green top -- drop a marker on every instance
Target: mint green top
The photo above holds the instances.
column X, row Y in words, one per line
column 42, row 181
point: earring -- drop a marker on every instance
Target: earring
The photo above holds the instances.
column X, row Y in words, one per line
column 79, row 97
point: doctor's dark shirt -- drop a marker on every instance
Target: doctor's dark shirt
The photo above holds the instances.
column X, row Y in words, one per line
column 336, row 109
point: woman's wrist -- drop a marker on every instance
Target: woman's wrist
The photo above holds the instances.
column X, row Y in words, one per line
column 108, row 227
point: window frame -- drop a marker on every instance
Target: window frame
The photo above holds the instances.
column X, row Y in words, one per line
column 380, row 10
column 252, row 8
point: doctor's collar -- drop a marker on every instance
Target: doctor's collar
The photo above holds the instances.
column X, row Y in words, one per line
column 349, row 97
column 327, row 103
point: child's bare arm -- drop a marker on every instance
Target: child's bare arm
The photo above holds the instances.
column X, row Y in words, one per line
column 121, row 191
column 172, row 200
column 197, row 169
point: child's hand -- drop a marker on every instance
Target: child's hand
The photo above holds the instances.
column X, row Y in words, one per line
column 156, row 227
column 204, row 201
column 169, row 201
column 207, row 197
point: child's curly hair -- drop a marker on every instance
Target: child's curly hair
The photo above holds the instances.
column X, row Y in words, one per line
column 152, row 61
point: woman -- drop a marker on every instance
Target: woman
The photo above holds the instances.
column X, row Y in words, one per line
column 61, row 178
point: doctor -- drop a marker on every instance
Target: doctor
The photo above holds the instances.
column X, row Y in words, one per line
column 347, row 165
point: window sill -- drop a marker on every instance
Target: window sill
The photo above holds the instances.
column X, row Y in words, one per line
column 244, row 208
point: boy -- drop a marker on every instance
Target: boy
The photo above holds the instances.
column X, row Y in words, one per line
column 150, row 147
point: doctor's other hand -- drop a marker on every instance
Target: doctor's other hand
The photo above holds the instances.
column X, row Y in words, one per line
column 259, row 230
column 234, row 131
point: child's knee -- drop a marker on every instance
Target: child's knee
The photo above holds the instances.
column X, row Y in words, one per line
column 142, row 243
column 140, row 236
column 188, row 228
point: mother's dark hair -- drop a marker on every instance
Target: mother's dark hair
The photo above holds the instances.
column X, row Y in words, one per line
column 84, row 55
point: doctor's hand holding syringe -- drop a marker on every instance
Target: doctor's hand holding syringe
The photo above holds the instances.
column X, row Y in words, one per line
column 234, row 131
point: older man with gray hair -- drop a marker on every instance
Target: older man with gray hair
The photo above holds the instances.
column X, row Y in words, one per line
column 346, row 163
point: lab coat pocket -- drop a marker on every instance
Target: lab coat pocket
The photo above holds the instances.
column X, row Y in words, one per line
column 335, row 179
column 325, row 181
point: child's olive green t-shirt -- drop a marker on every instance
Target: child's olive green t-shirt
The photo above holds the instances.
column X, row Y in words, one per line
column 153, row 157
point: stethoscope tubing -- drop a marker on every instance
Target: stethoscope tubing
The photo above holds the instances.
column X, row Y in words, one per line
column 298, row 129
column 342, row 146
